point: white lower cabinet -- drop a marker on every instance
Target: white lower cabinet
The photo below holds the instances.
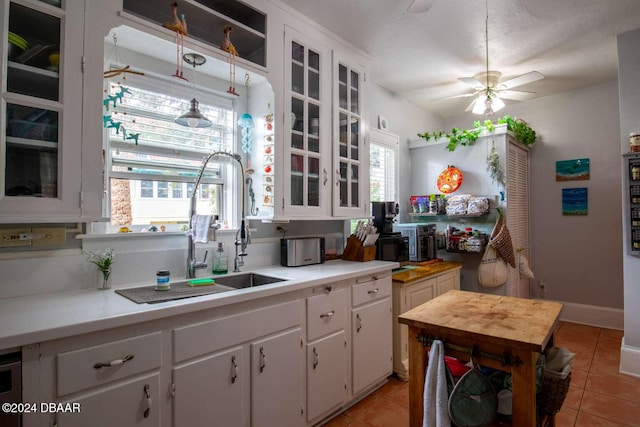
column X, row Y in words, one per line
column 410, row 295
column 277, row 382
column 128, row 403
column 371, row 349
column 221, row 378
column 291, row 361
column 327, row 354
column 245, row 369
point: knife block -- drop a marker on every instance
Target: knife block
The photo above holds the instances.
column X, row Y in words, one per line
column 356, row 252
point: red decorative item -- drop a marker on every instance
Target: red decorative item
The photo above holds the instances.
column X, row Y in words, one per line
column 449, row 180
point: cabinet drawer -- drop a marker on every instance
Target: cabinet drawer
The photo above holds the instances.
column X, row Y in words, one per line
column 373, row 289
column 326, row 313
column 214, row 335
column 92, row 366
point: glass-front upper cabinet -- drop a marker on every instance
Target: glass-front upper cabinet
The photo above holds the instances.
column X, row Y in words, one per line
column 34, row 109
column 307, row 125
column 349, row 158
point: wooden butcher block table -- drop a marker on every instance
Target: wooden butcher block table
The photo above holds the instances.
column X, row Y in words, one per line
column 506, row 333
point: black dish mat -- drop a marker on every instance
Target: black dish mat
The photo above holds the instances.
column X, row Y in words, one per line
column 148, row 294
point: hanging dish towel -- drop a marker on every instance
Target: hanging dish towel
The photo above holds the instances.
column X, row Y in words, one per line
column 436, row 395
column 200, row 228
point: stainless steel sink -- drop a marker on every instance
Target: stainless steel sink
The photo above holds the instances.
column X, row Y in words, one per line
column 247, row 280
column 180, row 290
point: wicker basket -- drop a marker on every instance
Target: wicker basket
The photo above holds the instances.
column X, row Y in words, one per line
column 501, row 241
column 552, row 394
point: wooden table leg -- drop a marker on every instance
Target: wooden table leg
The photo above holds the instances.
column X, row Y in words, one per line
column 524, row 389
column 417, row 369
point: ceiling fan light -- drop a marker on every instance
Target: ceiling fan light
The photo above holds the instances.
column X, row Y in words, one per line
column 497, row 104
column 479, row 105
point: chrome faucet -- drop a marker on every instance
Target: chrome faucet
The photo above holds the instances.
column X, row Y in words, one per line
column 192, row 264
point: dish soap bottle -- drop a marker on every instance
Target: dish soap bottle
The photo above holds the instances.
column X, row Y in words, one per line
column 220, row 265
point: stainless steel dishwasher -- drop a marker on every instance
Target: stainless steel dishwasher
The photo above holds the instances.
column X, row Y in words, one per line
column 10, row 387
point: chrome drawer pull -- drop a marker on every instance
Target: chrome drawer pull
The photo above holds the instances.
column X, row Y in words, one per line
column 234, row 369
column 374, row 291
column 115, row 362
column 329, row 314
column 147, row 395
column 263, row 359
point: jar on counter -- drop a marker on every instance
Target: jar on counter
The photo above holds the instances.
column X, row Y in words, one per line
column 634, row 142
column 163, row 280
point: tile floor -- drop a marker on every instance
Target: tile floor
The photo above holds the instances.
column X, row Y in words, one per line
column 599, row 396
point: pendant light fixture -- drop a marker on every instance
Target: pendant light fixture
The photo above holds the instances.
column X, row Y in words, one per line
column 194, row 118
column 487, row 103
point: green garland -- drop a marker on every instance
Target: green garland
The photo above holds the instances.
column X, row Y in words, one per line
column 520, row 129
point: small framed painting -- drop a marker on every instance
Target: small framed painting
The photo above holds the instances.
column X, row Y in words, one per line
column 572, row 170
column 574, row 201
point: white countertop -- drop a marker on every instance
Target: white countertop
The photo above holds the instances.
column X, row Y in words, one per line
column 38, row 318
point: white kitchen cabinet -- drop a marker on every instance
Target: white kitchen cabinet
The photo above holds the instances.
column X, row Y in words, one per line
column 371, row 335
column 350, row 159
column 327, row 353
column 253, row 360
column 277, row 380
column 44, row 177
column 113, row 377
column 307, row 136
column 134, row 402
column 221, row 379
column 410, row 295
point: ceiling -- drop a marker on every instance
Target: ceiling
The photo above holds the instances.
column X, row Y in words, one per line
column 421, row 55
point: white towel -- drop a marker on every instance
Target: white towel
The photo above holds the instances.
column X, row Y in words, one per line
column 200, row 228
column 436, row 395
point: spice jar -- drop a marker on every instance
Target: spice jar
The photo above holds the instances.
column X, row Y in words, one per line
column 163, row 282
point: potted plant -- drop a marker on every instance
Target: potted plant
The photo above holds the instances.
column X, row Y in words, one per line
column 103, row 262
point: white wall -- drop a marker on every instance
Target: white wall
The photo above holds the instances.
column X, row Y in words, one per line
column 405, row 120
column 628, row 71
column 579, row 258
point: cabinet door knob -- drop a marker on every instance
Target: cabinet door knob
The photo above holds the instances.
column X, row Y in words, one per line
column 115, row 362
column 234, row 369
column 263, row 359
column 147, row 396
column 328, row 314
column 359, row 324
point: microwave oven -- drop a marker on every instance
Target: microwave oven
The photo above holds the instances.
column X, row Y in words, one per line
column 392, row 247
column 422, row 240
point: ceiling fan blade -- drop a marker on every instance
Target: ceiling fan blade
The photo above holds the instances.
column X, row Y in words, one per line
column 419, row 6
column 521, row 80
column 476, row 84
column 470, row 107
column 516, row 95
column 464, row 95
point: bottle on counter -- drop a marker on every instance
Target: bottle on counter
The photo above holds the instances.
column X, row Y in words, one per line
column 220, row 261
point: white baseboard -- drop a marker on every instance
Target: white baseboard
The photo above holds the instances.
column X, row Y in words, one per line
column 629, row 360
column 602, row 317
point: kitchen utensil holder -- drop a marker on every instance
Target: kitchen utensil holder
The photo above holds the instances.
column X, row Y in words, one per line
column 356, row 252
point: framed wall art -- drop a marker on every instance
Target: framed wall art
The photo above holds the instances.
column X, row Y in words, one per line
column 574, row 201
column 572, row 170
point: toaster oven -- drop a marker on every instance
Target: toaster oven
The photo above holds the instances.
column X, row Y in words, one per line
column 422, row 240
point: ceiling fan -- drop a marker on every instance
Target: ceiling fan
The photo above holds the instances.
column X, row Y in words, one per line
column 488, row 87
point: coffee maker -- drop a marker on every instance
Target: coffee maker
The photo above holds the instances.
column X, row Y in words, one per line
column 383, row 214
column 390, row 246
